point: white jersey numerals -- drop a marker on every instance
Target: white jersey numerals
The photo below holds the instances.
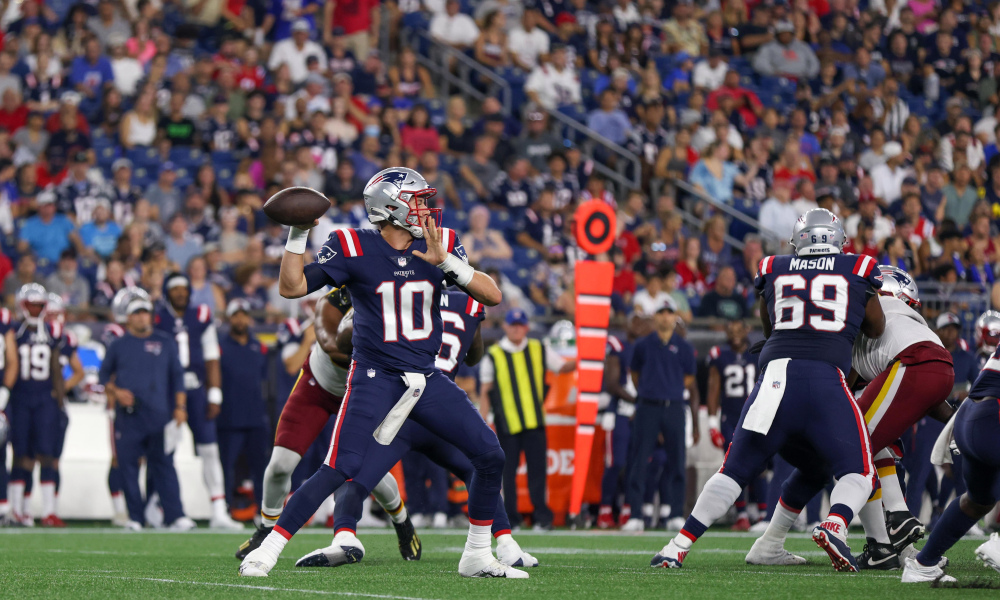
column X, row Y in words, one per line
column 451, row 345
column 738, row 379
column 403, row 320
column 183, row 348
column 36, row 362
column 827, row 309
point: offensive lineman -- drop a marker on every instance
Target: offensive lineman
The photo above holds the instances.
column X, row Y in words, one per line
column 910, row 375
column 198, row 350
column 817, row 301
column 395, row 275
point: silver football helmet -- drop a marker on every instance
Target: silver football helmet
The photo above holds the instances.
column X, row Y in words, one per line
column 817, row 232
column 387, row 199
column 55, row 310
column 988, row 331
column 32, row 295
column 119, row 305
column 897, row 282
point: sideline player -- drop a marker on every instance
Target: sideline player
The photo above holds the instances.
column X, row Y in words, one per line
column 36, row 400
column 462, row 342
column 817, row 301
column 8, row 376
column 198, row 350
column 315, row 397
column 395, row 275
column 731, row 374
column 977, row 435
column 910, row 376
column 987, row 334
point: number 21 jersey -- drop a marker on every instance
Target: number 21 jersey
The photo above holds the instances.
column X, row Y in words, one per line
column 816, row 305
column 396, row 295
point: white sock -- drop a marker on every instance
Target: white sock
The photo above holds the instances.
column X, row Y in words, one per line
column 26, row 511
column 716, row 497
column 211, row 467
column 852, row 490
column 665, row 511
column 277, row 484
column 874, row 521
column 478, row 541
column 15, row 493
column 647, row 510
column 780, row 524
column 48, row 498
column 892, row 493
column 118, row 503
column 273, row 544
column 220, row 509
column 505, row 539
column 386, row 493
column 344, row 535
column 4, row 508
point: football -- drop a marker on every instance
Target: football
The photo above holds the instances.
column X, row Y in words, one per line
column 296, row 206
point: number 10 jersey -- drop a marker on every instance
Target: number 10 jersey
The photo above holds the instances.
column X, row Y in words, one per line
column 396, row 295
column 816, row 305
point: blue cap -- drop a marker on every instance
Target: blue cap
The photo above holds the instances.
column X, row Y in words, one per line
column 516, row 316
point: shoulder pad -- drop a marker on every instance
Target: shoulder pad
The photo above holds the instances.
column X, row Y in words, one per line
column 350, row 242
column 204, row 314
column 340, row 298
column 615, row 344
column 448, row 239
column 864, row 265
column 765, row 265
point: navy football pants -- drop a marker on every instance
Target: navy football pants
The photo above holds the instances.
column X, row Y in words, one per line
column 34, row 427
column 254, row 444
column 647, row 425
column 426, row 485
column 977, row 434
column 131, row 443
column 615, row 460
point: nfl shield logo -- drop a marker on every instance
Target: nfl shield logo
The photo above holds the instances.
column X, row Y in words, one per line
column 371, row 373
column 401, row 261
column 776, row 384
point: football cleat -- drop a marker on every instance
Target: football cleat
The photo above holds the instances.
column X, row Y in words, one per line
column 989, row 552
column 484, row 565
column 904, row 529
column 182, row 524
column 120, row 520
column 52, row 521
column 254, row 542
column 634, row 525
column 765, row 553
column 25, row 520
column 741, row 524
column 831, row 537
column 914, row 572
column 509, row 552
column 440, row 521
column 878, row 557
column 409, row 542
column 624, row 516
column 675, row 524
column 224, row 521
column 605, row 520
column 346, row 549
column 258, row 563
column 132, row 526
column 670, row 557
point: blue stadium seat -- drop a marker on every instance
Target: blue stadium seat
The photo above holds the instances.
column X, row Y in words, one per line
column 449, row 164
column 225, row 175
column 436, row 110
column 143, row 156
column 190, row 158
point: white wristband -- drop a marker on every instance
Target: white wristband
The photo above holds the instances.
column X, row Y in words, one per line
column 214, row 396
column 297, row 240
column 713, row 422
column 4, row 398
column 459, row 270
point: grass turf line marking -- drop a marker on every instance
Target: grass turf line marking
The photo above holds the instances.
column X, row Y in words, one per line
column 265, row 588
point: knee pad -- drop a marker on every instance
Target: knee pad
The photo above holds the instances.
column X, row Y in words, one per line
column 800, row 488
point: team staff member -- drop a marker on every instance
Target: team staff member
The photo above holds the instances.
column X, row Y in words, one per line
column 142, row 373
column 242, row 423
column 512, row 378
column 8, row 376
column 663, row 367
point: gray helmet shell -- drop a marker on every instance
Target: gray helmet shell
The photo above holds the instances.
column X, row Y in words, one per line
column 817, row 232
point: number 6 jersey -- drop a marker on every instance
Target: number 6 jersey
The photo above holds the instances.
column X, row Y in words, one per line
column 816, row 305
column 396, row 295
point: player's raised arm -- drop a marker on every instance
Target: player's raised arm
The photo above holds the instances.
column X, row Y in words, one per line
column 294, row 280
column 477, row 284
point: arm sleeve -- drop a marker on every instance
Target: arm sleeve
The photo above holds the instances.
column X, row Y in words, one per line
column 176, row 370
column 108, row 365
column 486, row 374
column 329, row 266
column 210, row 343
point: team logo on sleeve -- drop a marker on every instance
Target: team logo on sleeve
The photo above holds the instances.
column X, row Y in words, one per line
column 325, row 254
column 460, row 252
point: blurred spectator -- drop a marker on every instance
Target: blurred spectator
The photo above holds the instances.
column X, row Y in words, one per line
column 869, row 212
column 115, row 278
column 889, row 108
column 439, row 180
column 555, row 83
column 232, row 241
column 32, row 139
column 511, row 190
column 491, row 47
column 138, row 126
column 960, row 141
column 67, row 282
column 529, row 45
column 453, row 27
column 715, row 175
column 932, row 193
column 652, row 295
column 540, row 228
column 360, row 22
column 409, row 79
column 418, row 135
column 24, row 272
column 13, row 112
column 887, row 178
column 99, row 237
column 175, row 126
column 710, row 74
column 863, row 240
column 456, row 137
column 81, row 188
column 690, row 269
column 248, row 283
column 723, row 302
column 89, row 75
column 609, row 120
column 47, row 233
column 163, row 196
column 537, row 142
column 181, row 246
column 342, row 186
column 980, row 236
column 778, row 216
column 786, row 56
column 478, row 170
column 960, row 195
column 485, row 246
column 684, row 33
column 295, row 51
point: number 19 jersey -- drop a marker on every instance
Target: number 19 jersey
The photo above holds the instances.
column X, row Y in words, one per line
column 816, row 305
column 396, row 295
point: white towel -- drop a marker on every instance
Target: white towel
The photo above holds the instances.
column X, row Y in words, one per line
column 171, row 436
column 387, row 430
column 941, row 452
column 761, row 413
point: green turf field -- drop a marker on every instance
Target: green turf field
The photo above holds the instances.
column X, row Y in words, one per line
column 95, row 563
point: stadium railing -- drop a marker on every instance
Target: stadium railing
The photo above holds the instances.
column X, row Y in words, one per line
column 718, row 205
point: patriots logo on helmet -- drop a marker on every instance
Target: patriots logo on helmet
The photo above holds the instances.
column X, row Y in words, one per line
column 325, row 254
column 395, row 177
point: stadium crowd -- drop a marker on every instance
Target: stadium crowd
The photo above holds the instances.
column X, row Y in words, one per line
column 139, row 138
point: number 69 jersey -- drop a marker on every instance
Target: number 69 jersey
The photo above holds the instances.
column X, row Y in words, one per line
column 816, row 305
column 396, row 295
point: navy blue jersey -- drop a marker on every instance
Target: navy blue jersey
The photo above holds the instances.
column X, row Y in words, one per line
column 289, row 341
column 112, row 331
column 460, row 316
column 513, row 195
column 188, row 331
column 396, row 296
column 622, row 350
column 218, row 136
column 6, row 324
column 662, row 367
column 987, row 385
column 816, row 305
column 967, row 367
column 244, row 372
column 737, row 374
column 35, row 348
